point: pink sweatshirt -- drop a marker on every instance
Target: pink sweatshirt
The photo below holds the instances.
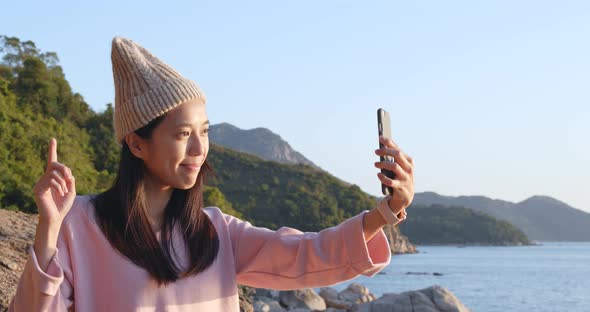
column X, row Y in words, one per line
column 86, row 274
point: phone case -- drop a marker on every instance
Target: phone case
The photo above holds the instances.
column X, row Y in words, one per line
column 384, row 128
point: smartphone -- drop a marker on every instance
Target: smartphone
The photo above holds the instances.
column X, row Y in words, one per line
column 384, row 128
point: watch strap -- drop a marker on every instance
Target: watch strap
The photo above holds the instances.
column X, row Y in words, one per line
column 387, row 213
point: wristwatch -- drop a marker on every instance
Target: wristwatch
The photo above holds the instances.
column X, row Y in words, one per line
column 387, row 213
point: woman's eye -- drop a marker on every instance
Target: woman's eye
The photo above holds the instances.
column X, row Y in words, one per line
column 187, row 133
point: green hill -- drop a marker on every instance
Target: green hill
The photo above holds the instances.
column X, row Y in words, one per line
column 273, row 194
column 437, row 224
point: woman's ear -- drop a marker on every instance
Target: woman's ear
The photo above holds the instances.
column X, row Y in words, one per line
column 136, row 144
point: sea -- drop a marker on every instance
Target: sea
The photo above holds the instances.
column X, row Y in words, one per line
column 550, row 276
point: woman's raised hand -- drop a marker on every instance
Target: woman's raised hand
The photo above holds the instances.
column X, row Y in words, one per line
column 403, row 167
column 56, row 190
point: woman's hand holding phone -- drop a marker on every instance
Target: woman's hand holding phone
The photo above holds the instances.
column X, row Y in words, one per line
column 403, row 168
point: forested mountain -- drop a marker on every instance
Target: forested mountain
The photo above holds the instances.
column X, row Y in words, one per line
column 541, row 218
column 437, row 224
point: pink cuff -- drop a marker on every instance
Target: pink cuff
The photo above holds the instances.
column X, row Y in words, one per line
column 366, row 258
column 47, row 283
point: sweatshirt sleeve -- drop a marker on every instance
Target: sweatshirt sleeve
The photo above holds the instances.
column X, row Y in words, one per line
column 291, row 259
column 44, row 291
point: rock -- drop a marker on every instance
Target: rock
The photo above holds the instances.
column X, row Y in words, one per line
column 9, row 264
column 275, row 306
column 365, row 307
column 260, row 306
column 424, row 273
column 328, row 293
column 269, row 293
column 302, row 298
column 330, row 296
column 444, row 299
column 398, row 243
column 356, row 293
column 431, row 299
column 17, row 231
column 358, row 288
column 388, row 302
column 267, row 305
column 339, row 304
column 245, row 294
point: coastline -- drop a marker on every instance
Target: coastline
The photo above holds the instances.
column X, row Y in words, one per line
column 464, row 245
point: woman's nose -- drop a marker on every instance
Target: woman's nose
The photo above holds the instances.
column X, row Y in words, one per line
column 196, row 146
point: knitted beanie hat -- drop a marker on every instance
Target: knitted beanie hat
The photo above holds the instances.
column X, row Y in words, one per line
column 145, row 87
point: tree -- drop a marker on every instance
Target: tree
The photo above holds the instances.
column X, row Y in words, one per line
column 212, row 196
column 102, row 139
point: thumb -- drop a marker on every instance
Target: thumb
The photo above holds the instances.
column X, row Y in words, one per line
column 71, row 184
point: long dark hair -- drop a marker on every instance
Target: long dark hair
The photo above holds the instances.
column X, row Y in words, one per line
column 122, row 216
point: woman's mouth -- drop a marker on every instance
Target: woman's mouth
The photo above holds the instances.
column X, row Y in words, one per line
column 190, row 167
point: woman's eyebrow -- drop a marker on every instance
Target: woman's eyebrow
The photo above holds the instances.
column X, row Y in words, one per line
column 190, row 124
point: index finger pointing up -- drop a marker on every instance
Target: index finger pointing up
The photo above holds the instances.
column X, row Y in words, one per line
column 52, row 154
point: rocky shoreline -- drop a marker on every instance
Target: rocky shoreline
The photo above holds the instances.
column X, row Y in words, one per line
column 479, row 245
column 398, row 243
column 355, row 298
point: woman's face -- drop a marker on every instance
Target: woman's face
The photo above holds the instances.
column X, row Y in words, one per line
column 178, row 146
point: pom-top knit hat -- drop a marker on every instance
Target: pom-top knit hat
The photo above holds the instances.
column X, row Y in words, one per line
column 145, row 87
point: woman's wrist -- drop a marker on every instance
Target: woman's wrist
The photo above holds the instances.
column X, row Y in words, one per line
column 373, row 222
column 387, row 213
column 45, row 244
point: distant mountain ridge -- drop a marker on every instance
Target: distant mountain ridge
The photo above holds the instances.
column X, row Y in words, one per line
column 439, row 224
column 258, row 141
column 541, row 218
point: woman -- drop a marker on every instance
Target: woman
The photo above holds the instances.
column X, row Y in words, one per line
column 148, row 244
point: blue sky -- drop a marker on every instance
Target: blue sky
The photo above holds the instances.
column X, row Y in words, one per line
column 489, row 97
